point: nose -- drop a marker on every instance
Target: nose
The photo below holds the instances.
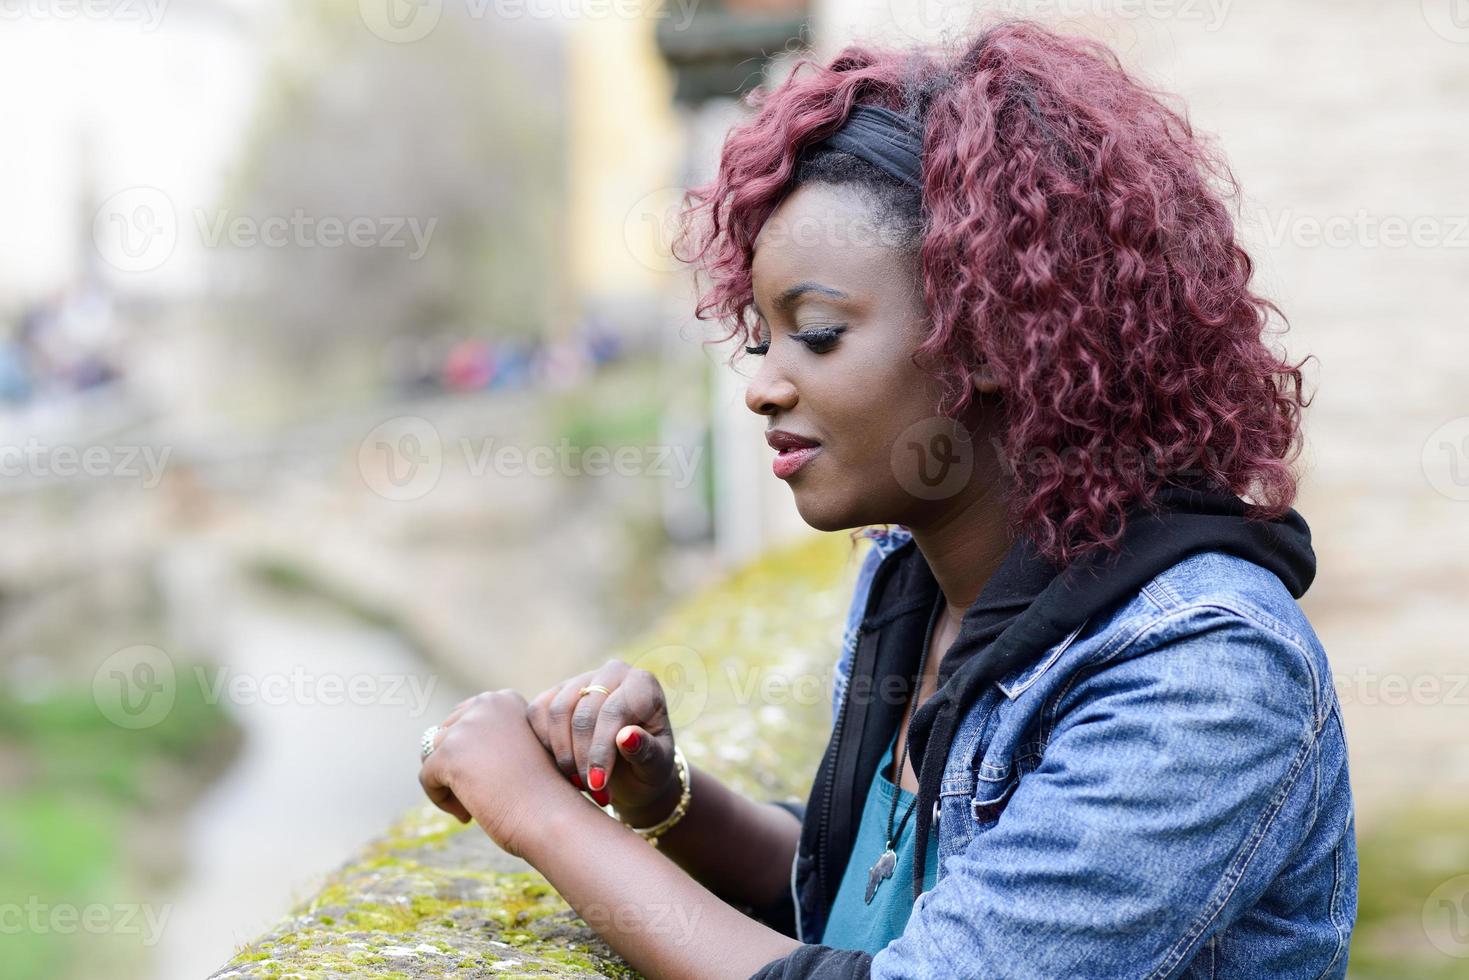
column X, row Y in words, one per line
column 769, row 391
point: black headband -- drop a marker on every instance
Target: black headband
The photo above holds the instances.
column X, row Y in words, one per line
column 891, row 142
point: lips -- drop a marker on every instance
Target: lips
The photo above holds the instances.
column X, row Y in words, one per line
column 783, row 440
column 792, row 451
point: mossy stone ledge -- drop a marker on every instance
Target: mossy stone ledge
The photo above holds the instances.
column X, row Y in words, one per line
column 747, row 667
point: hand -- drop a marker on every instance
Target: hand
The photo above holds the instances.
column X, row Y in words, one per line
column 488, row 765
column 618, row 746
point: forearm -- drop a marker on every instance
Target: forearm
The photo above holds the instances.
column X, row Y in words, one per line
column 647, row 908
column 740, row 849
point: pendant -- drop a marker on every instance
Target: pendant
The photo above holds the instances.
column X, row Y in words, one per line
column 880, row 872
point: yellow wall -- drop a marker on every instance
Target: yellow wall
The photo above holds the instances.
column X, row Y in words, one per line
column 624, row 147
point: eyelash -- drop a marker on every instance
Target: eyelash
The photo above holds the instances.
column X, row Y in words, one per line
column 818, row 339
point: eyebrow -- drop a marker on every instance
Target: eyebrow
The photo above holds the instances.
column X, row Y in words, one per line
column 787, row 299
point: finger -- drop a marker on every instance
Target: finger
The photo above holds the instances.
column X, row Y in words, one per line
column 584, row 717
column 431, row 779
column 461, row 708
column 549, row 692
column 558, row 726
column 647, row 706
column 450, row 804
column 645, row 755
column 439, row 732
column 538, row 713
column 543, row 700
column 650, row 754
column 602, row 751
column 513, row 696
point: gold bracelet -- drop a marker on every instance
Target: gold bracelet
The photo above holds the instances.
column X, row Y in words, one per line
column 651, row 834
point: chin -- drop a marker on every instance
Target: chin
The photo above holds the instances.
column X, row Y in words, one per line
column 822, row 524
column 827, row 514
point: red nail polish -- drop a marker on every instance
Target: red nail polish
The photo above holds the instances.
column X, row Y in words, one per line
column 575, row 780
column 596, row 778
column 602, row 797
column 633, row 741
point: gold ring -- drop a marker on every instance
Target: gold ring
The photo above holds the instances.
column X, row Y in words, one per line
column 590, row 688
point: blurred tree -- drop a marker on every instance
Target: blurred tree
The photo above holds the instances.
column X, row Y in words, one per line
column 450, row 145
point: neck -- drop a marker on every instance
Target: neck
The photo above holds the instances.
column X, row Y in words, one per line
column 964, row 547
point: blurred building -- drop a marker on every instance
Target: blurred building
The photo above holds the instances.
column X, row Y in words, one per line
column 724, row 51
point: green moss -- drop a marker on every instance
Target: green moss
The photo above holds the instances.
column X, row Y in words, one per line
column 80, row 782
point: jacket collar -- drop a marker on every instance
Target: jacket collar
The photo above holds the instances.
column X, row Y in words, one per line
column 1021, row 678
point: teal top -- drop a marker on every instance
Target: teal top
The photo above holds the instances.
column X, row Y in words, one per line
column 854, row 924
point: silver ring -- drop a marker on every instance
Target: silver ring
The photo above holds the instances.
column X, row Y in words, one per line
column 426, row 743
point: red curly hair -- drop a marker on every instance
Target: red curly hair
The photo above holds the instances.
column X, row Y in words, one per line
column 1074, row 238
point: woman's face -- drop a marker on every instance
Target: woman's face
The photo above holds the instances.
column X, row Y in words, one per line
column 843, row 313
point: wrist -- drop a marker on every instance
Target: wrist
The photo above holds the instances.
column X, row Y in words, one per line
column 554, row 805
column 655, row 811
column 653, row 832
column 574, row 820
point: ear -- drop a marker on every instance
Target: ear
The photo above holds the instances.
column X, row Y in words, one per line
column 983, row 379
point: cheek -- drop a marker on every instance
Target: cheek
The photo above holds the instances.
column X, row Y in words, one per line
column 911, row 451
column 888, row 400
column 878, row 419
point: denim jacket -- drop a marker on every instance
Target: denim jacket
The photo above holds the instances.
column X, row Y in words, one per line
column 1164, row 793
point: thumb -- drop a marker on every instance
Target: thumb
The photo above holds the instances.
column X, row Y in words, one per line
column 649, row 757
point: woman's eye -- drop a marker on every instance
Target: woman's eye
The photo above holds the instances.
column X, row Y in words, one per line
column 820, row 339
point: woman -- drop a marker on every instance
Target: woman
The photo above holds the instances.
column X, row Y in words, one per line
column 1081, row 726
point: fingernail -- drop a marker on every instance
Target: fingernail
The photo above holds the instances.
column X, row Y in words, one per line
column 602, row 797
column 596, row 778
column 575, row 780
column 633, row 741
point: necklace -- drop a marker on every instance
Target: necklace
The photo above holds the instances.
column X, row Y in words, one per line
column 882, row 869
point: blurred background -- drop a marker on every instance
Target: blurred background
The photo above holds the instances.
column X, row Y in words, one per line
column 345, row 371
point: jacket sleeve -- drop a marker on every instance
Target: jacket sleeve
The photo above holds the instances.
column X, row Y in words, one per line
column 818, row 963
column 1175, row 783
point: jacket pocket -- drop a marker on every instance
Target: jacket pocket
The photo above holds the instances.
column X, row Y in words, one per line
column 994, row 784
column 990, row 798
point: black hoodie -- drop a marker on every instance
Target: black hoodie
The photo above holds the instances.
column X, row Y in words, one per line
column 1028, row 606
